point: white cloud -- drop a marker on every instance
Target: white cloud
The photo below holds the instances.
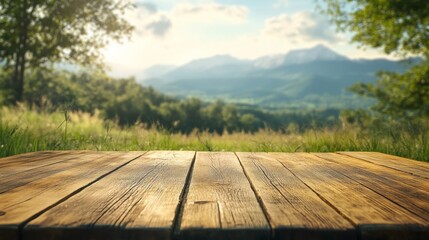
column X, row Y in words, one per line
column 302, row 26
column 211, row 11
column 149, row 20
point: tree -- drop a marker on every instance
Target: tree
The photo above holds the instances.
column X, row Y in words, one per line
column 37, row 32
column 397, row 27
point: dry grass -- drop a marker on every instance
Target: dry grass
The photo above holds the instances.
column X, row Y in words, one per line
column 22, row 130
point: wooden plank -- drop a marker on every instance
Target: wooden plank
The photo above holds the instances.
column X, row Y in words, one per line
column 385, row 181
column 373, row 214
column 220, row 203
column 138, row 201
column 412, row 167
column 29, row 157
column 18, row 175
column 21, row 204
column 294, row 210
column 396, row 175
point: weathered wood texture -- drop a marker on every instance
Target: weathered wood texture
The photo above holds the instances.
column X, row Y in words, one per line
column 294, row 210
column 220, row 203
column 32, row 170
column 401, row 164
column 21, row 204
column 139, row 201
column 394, row 185
column 207, row 195
column 30, row 157
column 373, row 214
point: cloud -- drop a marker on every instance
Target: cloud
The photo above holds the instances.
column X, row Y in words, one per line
column 159, row 27
column 147, row 7
column 211, row 12
column 302, row 26
column 151, row 21
column 148, row 20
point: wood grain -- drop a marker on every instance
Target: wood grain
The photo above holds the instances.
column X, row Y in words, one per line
column 412, row 167
column 372, row 213
column 220, row 203
column 294, row 210
column 29, row 157
column 23, row 203
column 387, row 182
column 19, row 175
column 172, row 195
column 138, row 201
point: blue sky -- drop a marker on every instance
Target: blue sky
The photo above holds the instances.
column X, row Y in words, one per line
column 173, row 32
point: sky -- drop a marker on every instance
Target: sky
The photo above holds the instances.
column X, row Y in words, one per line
column 174, row 32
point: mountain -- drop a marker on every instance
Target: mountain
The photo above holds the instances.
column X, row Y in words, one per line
column 218, row 67
column 317, row 53
column 209, row 63
column 312, row 78
column 156, row 71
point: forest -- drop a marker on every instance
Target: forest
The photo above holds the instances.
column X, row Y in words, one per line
column 125, row 102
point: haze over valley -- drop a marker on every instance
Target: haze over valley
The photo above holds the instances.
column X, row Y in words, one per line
column 317, row 77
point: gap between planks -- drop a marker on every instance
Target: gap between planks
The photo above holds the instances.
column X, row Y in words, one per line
column 24, row 223
column 185, row 191
column 182, row 201
column 258, row 198
column 387, row 182
column 220, row 203
column 286, row 204
column 142, row 180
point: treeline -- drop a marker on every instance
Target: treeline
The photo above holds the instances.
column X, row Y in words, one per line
column 126, row 102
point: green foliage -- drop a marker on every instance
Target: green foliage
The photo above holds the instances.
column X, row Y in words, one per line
column 399, row 27
column 6, row 88
column 127, row 103
column 44, row 87
column 396, row 26
column 38, row 32
column 70, row 30
column 401, row 95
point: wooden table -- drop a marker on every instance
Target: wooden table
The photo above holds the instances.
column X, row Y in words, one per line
column 212, row 195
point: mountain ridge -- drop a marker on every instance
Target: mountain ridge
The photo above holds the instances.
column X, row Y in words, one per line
column 316, row 77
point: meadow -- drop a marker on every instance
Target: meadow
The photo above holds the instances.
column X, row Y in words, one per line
column 23, row 130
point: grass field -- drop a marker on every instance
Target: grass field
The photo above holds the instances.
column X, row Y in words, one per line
column 22, row 131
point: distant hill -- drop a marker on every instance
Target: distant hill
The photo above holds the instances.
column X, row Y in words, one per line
column 309, row 78
column 317, row 53
column 156, row 71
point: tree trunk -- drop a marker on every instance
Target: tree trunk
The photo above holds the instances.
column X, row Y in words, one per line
column 16, row 75
column 22, row 67
column 20, row 58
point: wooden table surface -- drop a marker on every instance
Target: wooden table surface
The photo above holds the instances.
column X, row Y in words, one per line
column 212, row 195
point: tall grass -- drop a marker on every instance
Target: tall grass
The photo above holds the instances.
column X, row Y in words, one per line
column 22, row 131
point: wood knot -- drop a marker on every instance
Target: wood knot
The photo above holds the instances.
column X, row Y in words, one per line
column 2, row 213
